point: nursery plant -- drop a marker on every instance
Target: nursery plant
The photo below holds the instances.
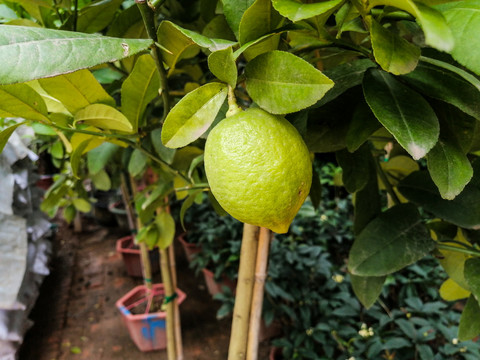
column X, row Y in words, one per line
column 390, row 87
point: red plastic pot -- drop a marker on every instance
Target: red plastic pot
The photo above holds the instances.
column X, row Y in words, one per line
column 132, row 259
column 189, row 248
column 214, row 287
column 147, row 330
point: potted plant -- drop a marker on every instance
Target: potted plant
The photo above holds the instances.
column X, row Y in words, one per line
column 219, row 238
column 131, row 256
column 145, row 323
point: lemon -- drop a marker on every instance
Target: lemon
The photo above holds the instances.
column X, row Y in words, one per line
column 258, row 168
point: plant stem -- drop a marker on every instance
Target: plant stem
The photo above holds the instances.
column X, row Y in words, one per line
column 148, row 16
column 233, row 107
column 75, row 14
column 128, row 204
column 169, row 293
column 459, row 249
column 387, row 184
column 241, row 312
column 203, row 186
column 258, row 291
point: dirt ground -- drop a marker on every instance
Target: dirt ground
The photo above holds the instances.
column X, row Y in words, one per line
column 76, row 318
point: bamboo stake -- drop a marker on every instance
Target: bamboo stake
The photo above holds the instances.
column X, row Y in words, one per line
column 169, row 293
column 258, row 291
column 128, row 205
column 178, row 326
column 241, row 311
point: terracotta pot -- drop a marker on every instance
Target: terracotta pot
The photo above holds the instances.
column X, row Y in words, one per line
column 147, row 330
column 189, row 248
column 214, row 287
column 132, row 259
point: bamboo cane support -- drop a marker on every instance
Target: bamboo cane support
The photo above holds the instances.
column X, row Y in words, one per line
column 241, row 312
column 170, row 306
column 258, row 291
column 178, row 326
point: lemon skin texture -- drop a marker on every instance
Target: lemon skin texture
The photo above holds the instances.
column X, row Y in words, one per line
column 258, row 168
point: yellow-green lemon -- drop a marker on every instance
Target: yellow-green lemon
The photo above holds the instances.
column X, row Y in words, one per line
column 258, row 168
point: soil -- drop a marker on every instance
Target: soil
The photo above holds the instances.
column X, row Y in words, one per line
column 75, row 315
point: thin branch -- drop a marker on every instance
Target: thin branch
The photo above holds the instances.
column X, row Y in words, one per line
column 387, row 184
column 75, row 14
column 471, row 252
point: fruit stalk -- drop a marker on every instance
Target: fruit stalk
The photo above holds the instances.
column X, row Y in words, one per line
column 243, row 299
column 258, row 291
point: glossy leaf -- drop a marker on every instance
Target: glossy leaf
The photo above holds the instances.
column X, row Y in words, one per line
column 398, row 167
column 76, row 156
column 222, row 64
column 296, row 11
column 259, row 19
column 451, row 291
column 403, row 112
column 469, row 326
column 449, row 168
column 35, row 8
column 20, row 100
column 57, row 52
column 82, row 205
column 355, row 168
column 139, row 89
column 367, row 288
column 463, row 211
column 462, row 17
column 76, row 90
column 282, row 83
column 454, row 261
column 437, row 32
column 101, row 180
column 395, row 239
column 137, row 163
column 97, row 15
column 394, row 54
column 233, row 10
column 472, row 275
column 104, row 117
column 166, row 229
column 165, row 153
column 447, row 86
column 179, row 43
column 362, row 126
column 6, row 133
column 193, row 114
column 98, row 158
column 186, row 205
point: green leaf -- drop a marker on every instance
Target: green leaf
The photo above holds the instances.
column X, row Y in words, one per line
column 395, row 239
column 166, row 229
column 449, row 168
column 179, row 43
column 282, row 83
column 193, row 115
column 82, row 205
column 355, row 166
column 472, row 275
column 101, row 180
column 98, row 158
column 165, row 153
column 69, row 213
column 222, row 64
column 437, row 32
column 76, row 156
column 57, row 52
column 137, row 163
column 296, row 11
column 367, row 288
column 20, row 100
column 97, row 15
column 394, row 54
column 463, row 211
column 186, row 205
column 405, row 113
column 469, row 326
column 234, row 10
column 362, row 126
column 463, row 18
column 345, row 76
column 447, row 86
column 257, row 20
column 454, row 261
column 104, row 117
column 76, row 90
column 139, row 89
column 6, row 133
column 151, row 236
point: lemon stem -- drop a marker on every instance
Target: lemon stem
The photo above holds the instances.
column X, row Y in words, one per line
column 233, row 107
column 258, row 291
column 243, row 299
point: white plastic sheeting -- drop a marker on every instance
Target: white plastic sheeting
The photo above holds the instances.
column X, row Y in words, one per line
column 24, row 245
